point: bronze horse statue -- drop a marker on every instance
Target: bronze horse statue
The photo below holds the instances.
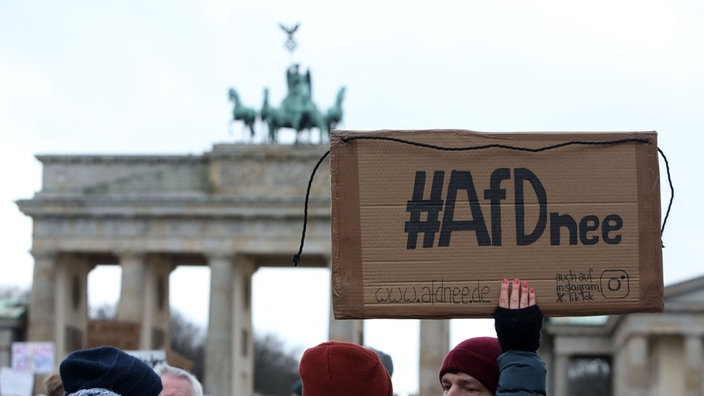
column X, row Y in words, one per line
column 297, row 110
column 274, row 118
column 242, row 113
column 334, row 114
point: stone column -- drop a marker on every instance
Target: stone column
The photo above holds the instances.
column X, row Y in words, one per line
column 131, row 306
column 242, row 336
column 156, row 316
column 434, row 345
column 41, row 300
column 559, row 370
column 71, row 303
column 218, row 347
column 693, row 371
column 348, row 330
column 632, row 374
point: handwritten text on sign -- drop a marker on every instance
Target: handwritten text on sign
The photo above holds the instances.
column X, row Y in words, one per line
column 462, row 181
column 436, row 292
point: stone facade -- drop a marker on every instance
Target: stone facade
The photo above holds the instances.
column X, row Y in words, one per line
column 234, row 209
column 656, row 354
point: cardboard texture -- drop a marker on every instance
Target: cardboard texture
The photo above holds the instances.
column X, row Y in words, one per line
column 419, row 232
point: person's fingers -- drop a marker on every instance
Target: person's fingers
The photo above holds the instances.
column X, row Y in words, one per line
column 503, row 294
column 523, row 299
column 515, row 294
column 531, row 297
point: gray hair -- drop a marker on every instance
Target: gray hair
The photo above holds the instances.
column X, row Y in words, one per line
column 175, row 372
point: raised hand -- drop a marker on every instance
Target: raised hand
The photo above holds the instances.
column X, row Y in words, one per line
column 518, row 319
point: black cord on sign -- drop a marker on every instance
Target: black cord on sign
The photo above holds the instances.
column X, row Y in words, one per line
column 672, row 192
column 503, row 146
column 297, row 257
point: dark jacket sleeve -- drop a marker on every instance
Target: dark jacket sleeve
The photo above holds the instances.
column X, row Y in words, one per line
column 520, row 374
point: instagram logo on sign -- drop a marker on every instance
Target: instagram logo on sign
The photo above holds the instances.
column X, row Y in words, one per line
column 614, row 284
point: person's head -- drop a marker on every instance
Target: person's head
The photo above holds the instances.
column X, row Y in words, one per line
column 53, row 385
column 104, row 369
column 178, row 382
column 343, row 369
column 385, row 360
column 471, row 368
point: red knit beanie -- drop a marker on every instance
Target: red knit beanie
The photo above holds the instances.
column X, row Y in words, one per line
column 476, row 357
column 343, row 369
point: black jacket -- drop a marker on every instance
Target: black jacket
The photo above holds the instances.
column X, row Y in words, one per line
column 520, row 374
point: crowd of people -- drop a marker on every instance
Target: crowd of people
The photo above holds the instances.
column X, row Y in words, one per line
column 109, row 371
column 479, row 366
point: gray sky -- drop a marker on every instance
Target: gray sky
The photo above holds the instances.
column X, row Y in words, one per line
column 152, row 78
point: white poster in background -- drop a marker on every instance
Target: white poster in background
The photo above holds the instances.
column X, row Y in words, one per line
column 35, row 357
column 16, row 383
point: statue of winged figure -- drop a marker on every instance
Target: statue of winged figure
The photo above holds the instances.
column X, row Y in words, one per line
column 297, row 110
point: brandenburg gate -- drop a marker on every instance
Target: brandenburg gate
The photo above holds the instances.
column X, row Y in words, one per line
column 234, row 209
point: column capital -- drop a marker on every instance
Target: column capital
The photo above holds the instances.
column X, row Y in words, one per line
column 163, row 259
column 219, row 255
column 130, row 253
column 693, row 333
column 43, row 254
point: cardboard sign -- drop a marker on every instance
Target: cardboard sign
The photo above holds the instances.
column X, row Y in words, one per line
column 118, row 333
column 426, row 224
column 152, row 357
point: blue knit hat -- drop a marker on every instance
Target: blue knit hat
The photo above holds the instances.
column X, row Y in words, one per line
column 111, row 369
column 94, row 392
